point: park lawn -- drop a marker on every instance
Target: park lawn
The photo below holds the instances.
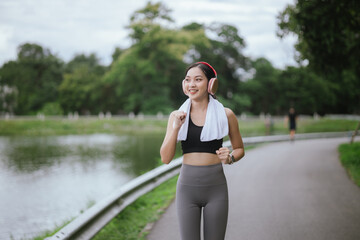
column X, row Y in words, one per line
column 350, row 159
column 119, row 126
column 58, row 126
column 326, row 125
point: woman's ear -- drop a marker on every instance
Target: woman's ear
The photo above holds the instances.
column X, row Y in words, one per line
column 183, row 87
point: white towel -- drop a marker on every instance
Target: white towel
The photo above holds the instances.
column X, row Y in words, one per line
column 216, row 122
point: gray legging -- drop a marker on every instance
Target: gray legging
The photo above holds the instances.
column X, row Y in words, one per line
column 202, row 187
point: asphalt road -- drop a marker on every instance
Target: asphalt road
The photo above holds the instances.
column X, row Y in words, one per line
column 285, row 191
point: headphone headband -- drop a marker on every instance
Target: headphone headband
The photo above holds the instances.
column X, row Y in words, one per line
column 210, row 67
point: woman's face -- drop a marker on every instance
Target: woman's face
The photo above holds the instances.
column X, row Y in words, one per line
column 196, row 83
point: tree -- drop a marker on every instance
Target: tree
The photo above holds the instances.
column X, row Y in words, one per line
column 224, row 52
column 145, row 19
column 263, row 88
column 34, row 78
column 117, row 52
column 147, row 76
column 304, row 90
column 91, row 61
column 274, row 91
column 328, row 38
column 82, row 88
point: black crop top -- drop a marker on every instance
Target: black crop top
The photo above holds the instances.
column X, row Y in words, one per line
column 193, row 143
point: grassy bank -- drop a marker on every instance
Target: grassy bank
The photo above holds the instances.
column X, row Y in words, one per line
column 51, row 233
column 50, row 127
column 350, row 159
column 134, row 222
column 252, row 127
column 326, row 125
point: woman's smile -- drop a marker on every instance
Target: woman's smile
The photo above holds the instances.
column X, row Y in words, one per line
column 193, row 91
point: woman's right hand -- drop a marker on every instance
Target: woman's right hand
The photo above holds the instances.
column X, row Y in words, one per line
column 168, row 147
column 179, row 119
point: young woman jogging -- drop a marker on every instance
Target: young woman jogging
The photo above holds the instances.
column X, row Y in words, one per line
column 200, row 124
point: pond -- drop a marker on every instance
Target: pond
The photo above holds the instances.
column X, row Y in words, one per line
column 45, row 181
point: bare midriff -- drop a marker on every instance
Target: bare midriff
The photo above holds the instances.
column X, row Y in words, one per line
column 200, row 159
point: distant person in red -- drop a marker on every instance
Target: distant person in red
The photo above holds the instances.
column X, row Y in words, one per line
column 291, row 119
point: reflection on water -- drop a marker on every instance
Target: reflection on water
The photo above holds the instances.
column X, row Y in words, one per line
column 47, row 180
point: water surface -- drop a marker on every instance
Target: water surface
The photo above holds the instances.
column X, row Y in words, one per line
column 45, row 181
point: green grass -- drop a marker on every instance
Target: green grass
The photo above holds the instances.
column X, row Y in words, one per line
column 132, row 223
column 350, row 159
column 48, row 233
column 257, row 127
column 254, row 127
column 49, row 127
column 327, row 125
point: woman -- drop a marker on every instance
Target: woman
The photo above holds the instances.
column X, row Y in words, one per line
column 200, row 125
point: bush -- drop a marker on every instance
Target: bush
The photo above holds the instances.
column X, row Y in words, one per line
column 52, row 109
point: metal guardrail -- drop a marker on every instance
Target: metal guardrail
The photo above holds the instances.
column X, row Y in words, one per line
column 95, row 218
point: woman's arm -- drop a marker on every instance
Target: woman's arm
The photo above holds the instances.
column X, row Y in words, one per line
column 168, row 147
column 235, row 136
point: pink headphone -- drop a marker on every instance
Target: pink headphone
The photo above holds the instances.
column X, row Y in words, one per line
column 213, row 82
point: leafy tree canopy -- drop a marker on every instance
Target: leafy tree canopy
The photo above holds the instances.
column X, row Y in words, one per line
column 329, row 39
column 327, row 30
column 34, row 77
column 81, row 89
column 147, row 76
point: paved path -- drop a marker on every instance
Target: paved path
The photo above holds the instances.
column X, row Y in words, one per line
column 286, row 191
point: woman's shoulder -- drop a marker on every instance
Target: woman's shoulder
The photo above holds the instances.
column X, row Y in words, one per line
column 232, row 119
column 229, row 113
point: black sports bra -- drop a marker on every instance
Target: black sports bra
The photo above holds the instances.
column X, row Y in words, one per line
column 193, row 143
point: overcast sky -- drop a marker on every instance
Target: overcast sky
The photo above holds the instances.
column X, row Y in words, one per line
column 69, row 27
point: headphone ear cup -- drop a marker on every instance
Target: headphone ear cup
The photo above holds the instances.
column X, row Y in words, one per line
column 183, row 87
column 213, row 86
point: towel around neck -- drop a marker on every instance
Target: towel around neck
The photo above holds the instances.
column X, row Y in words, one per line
column 216, row 123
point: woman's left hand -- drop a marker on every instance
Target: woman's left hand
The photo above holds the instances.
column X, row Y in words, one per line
column 223, row 155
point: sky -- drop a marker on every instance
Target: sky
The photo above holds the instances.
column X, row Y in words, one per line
column 70, row 27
